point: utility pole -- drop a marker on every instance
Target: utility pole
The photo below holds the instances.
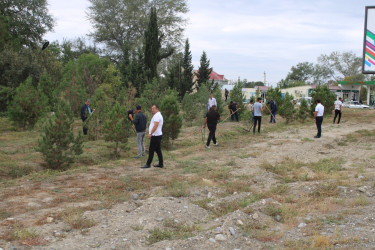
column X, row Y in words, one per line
column 265, row 78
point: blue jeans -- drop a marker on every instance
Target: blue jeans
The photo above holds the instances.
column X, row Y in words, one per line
column 273, row 116
column 235, row 114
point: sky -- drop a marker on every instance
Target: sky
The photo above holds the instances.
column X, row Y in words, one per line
column 247, row 38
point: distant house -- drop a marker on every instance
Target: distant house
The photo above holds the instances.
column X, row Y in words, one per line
column 217, row 78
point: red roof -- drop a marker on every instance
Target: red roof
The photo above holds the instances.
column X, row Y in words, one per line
column 213, row 75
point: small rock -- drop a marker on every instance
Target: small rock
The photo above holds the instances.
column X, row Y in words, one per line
column 218, row 230
column 220, row 237
column 209, row 195
column 186, row 207
column 134, row 197
column 160, row 219
column 278, row 218
column 231, row 230
column 168, row 248
column 212, row 240
column 276, row 229
column 363, row 189
column 235, row 193
column 176, row 221
column 239, row 222
column 361, row 177
column 302, row 224
column 49, row 219
column 129, row 189
column 255, row 216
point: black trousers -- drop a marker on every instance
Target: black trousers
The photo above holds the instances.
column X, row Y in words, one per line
column 257, row 119
column 319, row 121
column 155, row 146
column 337, row 112
column 211, row 135
column 84, row 127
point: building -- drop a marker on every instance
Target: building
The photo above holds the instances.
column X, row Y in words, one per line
column 217, row 78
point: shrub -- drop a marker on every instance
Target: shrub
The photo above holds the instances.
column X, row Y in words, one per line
column 303, row 110
column 287, row 110
column 27, row 106
column 326, row 97
column 170, row 110
column 58, row 145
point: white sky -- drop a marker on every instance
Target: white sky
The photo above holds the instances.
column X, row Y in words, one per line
column 245, row 38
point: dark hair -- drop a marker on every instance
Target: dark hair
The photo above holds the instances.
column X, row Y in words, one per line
column 156, row 106
column 318, row 100
column 339, row 98
column 138, row 107
column 231, row 101
column 259, row 98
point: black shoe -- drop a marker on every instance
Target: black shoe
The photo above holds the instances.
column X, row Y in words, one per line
column 158, row 166
column 316, row 136
column 137, row 157
column 146, row 166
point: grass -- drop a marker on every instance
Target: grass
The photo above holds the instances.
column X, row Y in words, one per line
column 74, row 218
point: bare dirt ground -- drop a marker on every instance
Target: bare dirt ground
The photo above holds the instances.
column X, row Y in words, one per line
column 279, row 189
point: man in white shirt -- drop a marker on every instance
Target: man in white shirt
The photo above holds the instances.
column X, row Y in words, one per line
column 155, row 135
column 338, row 105
column 318, row 117
column 211, row 102
column 258, row 109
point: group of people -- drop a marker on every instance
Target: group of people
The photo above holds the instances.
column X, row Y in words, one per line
column 155, row 134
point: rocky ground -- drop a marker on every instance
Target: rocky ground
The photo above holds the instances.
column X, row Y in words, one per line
column 279, row 189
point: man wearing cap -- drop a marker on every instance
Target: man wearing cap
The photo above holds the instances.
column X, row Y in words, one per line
column 139, row 123
column 155, row 135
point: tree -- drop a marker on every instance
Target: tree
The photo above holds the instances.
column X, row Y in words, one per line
column 302, row 72
column 342, row 65
column 121, row 24
column 326, row 97
column 27, row 106
column 58, row 145
column 152, row 46
column 303, row 110
column 26, row 21
column 48, row 88
column 204, row 71
column 287, row 110
column 116, row 128
column 171, row 115
column 189, row 108
column 187, row 76
column 236, row 95
column 275, row 95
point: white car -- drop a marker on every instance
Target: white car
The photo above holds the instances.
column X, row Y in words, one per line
column 354, row 105
column 308, row 100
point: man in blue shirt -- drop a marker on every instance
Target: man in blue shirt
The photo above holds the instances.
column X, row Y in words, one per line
column 85, row 113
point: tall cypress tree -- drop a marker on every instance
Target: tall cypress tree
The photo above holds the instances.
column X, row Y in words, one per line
column 204, row 70
column 152, row 46
column 187, row 76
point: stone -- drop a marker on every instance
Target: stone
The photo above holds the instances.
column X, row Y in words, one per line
column 160, row 219
column 361, row 177
column 168, row 248
column 278, row 218
column 134, row 197
column 302, row 224
column 209, row 195
column 231, row 230
column 49, row 219
column 218, row 230
column 220, row 237
column 239, row 222
column 255, row 216
column 212, row 240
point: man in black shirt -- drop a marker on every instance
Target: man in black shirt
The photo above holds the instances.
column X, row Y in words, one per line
column 233, row 110
column 140, row 126
column 131, row 115
column 212, row 117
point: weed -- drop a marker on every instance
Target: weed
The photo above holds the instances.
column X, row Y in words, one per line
column 325, row 190
column 177, row 187
column 74, row 218
column 360, row 201
column 158, row 234
column 328, row 165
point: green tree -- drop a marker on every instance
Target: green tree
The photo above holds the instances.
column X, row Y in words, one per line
column 326, row 97
column 152, row 46
column 275, row 95
column 189, row 108
column 237, row 96
column 151, row 94
column 287, row 110
column 303, row 110
column 187, row 76
column 201, row 100
column 116, row 128
column 27, row 106
column 204, row 71
column 121, row 24
column 302, row 72
column 48, row 88
column 26, row 21
column 171, row 115
column 58, row 145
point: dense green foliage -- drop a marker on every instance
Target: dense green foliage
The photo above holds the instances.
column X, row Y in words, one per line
column 326, row 97
column 204, row 71
column 287, row 110
column 303, row 111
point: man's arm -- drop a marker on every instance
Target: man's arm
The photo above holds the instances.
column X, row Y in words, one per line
column 205, row 123
column 130, row 117
column 315, row 114
column 156, row 124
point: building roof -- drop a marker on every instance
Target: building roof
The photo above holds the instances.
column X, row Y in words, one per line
column 214, row 76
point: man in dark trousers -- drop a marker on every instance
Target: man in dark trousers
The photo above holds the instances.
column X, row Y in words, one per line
column 337, row 106
column 318, row 117
column 258, row 109
column 85, row 113
column 212, row 117
column 226, row 94
column 140, row 126
column 155, row 135
column 233, row 110
column 273, row 109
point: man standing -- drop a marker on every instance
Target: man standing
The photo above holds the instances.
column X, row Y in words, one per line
column 273, row 111
column 337, row 105
column 258, row 109
column 155, row 134
column 211, row 101
column 233, row 110
column 140, row 126
column 85, row 112
column 212, row 117
column 226, row 94
column 318, row 117
column 251, row 109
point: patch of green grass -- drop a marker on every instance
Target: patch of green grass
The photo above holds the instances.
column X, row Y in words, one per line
column 203, row 203
column 280, row 189
column 158, row 234
column 328, row 165
column 74, row 218
column 360, row 201
column 324, row 190
column 177, row 187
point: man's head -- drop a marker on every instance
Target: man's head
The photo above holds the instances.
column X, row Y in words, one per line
column 340, row 99
column 87, row 102
column 155, row 108
column 211, row 95
column 259, row 99
column 213, row 107
column 138, row 108
column 231, row 102
column 317, row 100
column 251, row 101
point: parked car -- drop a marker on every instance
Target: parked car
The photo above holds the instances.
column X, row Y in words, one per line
column 354, row 105
column 308, row 100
